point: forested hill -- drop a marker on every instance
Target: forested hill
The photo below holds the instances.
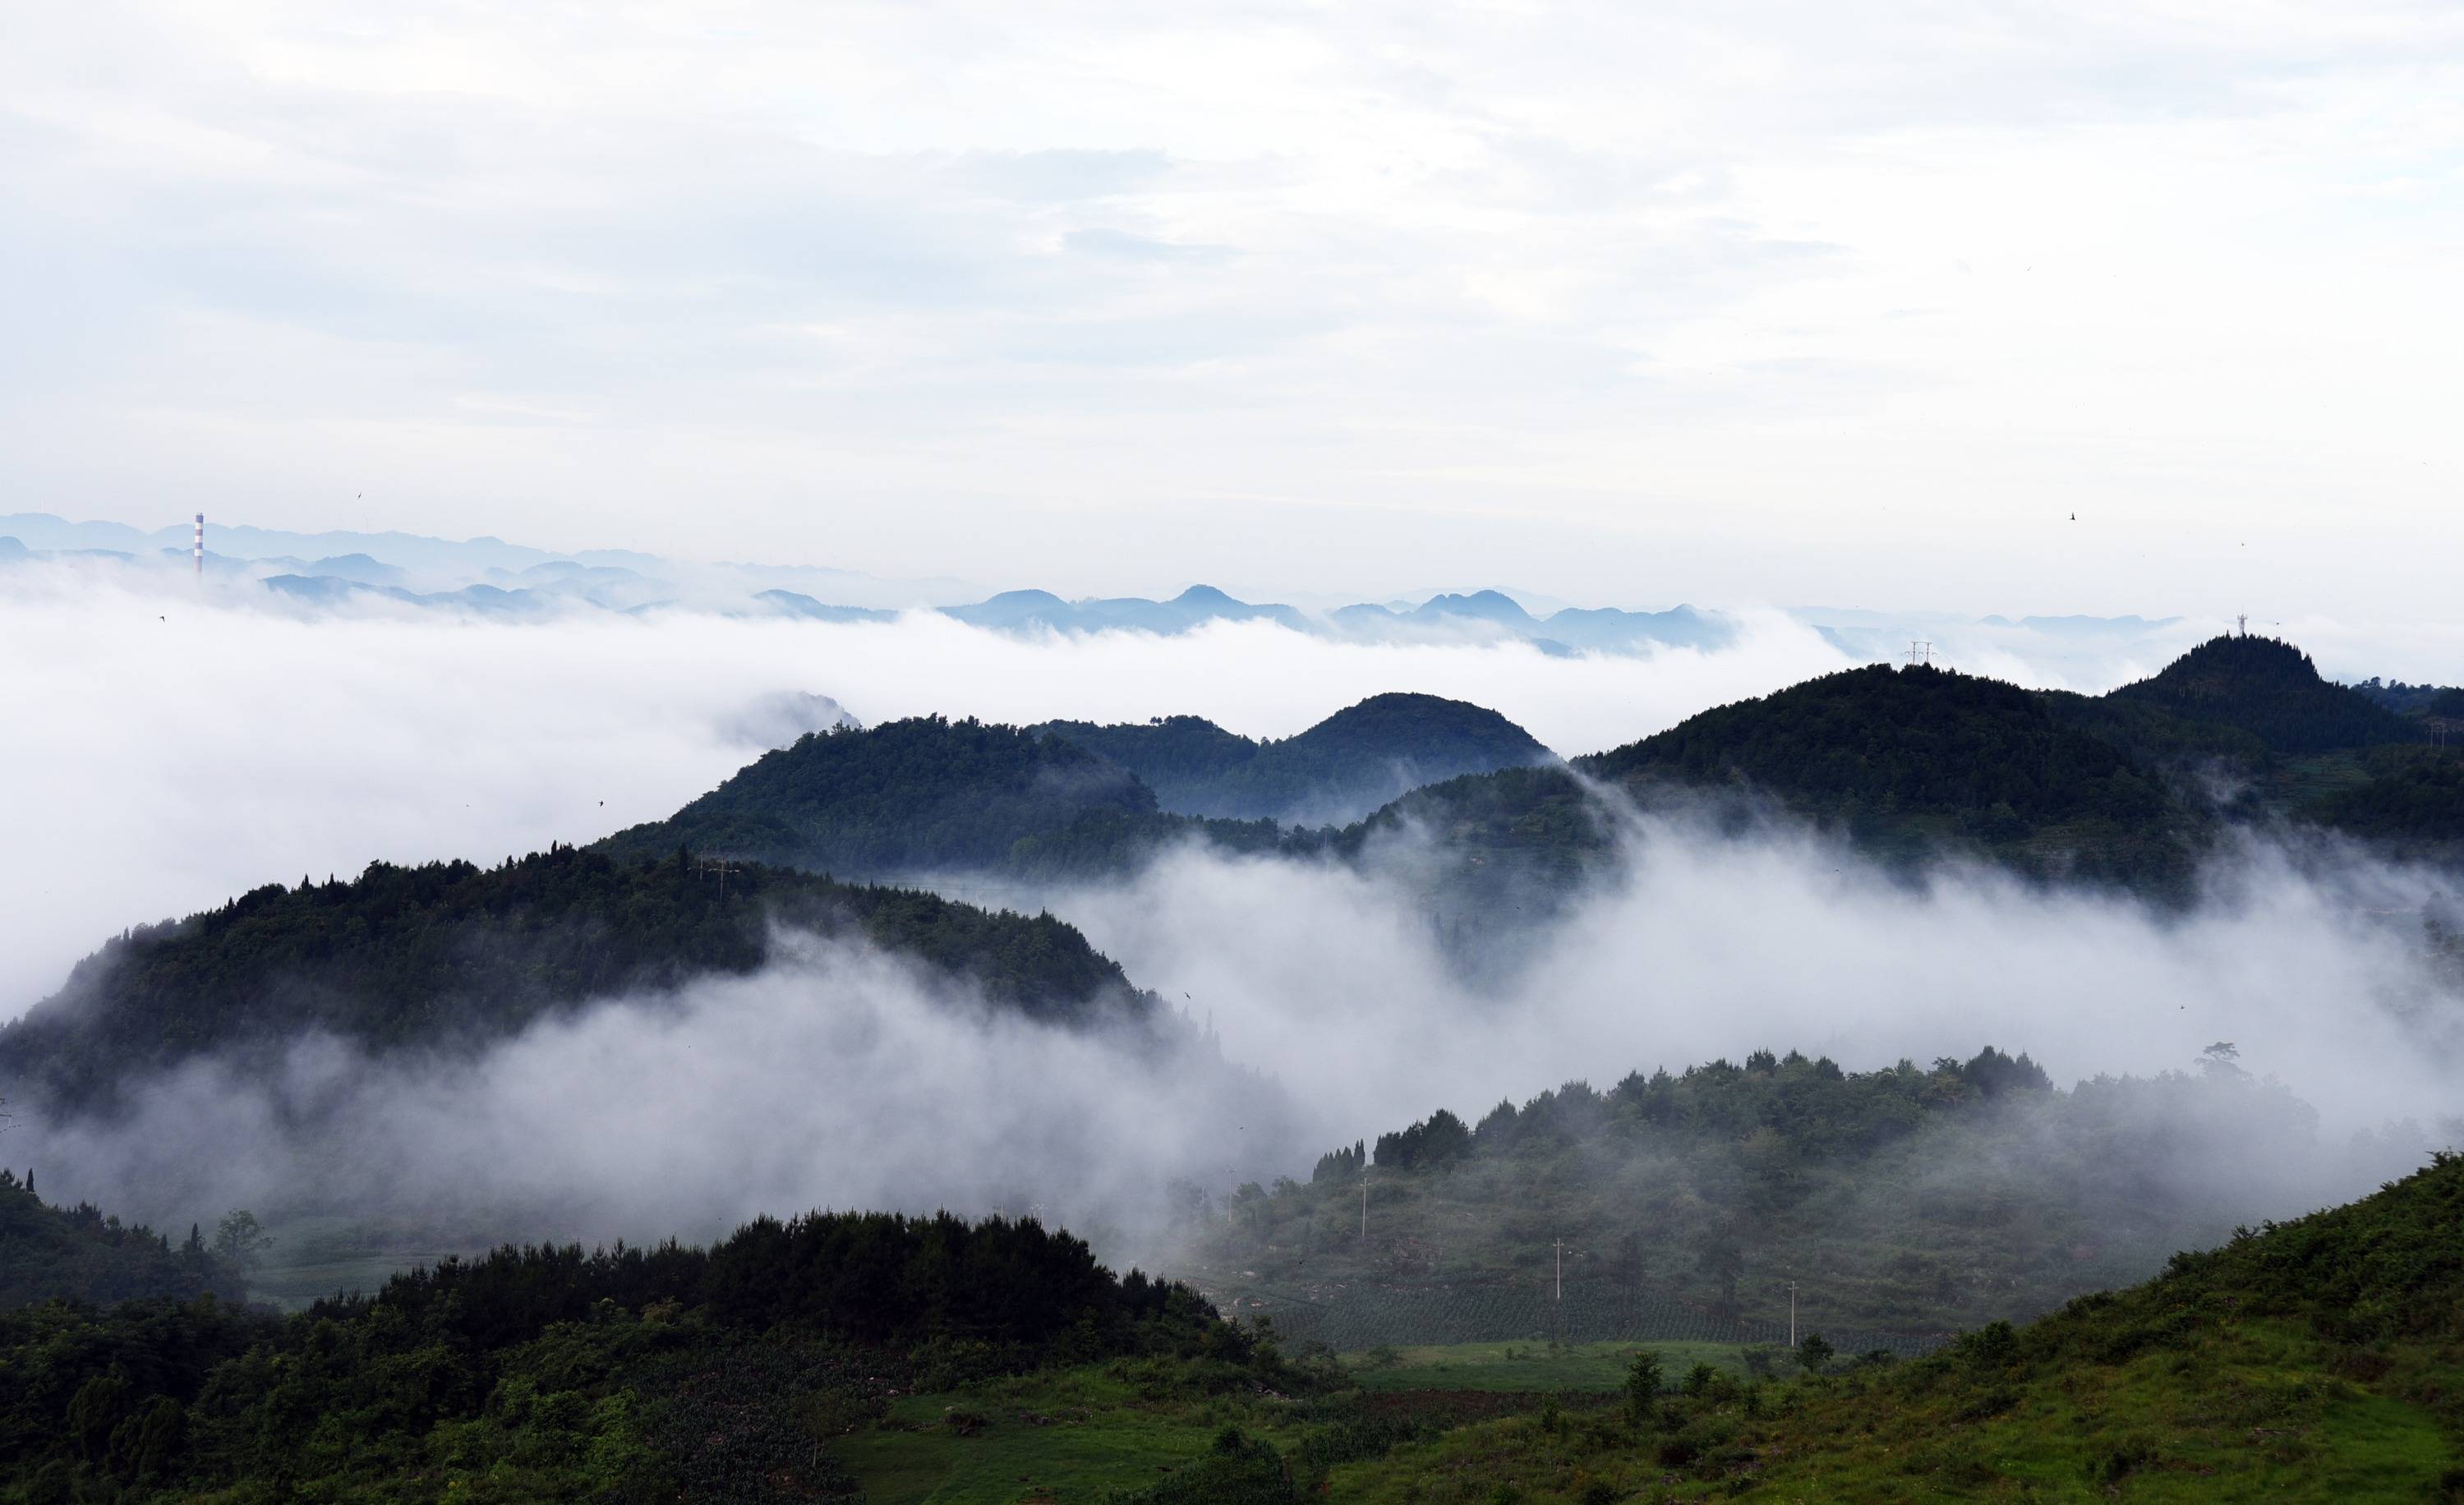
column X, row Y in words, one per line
column 928, row 795
column 1343, row 768
column 1906, row 758
column 1924, row 1198
column 85, row 1255
column 450, row 953
column 2271, row 690
column 1913, row 763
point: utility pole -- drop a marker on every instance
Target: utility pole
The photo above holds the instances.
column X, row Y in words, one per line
column 1792, row 1313
column 1557, row 1305
column 1364, row 1204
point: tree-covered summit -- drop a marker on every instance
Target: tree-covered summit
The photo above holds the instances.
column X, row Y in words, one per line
column 1906, row 758
column 1341, row 769
column 905, row 796
column 451, row 953
column 2270, row 688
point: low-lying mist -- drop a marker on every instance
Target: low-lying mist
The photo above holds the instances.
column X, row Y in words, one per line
column 164, row 755
column 837, row 1077
column 167, row 752
column 843, row 1077
column 1703, row 945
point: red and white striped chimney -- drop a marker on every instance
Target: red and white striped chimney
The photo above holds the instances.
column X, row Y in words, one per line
column 201, row 546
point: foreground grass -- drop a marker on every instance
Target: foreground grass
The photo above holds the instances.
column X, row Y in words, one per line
column 1073, row 1435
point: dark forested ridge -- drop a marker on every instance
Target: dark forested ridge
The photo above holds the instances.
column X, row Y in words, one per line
column 549, row 1373
column 84, row 1254
column 449, row 952
column 906, row 796
column 929, row 795
column 1905, row 760
column 2125, row 788
column 2271, row 690
column 1343, row 768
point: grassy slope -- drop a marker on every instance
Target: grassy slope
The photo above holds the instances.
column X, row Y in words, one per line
column 2323, row 1360
column 1067, row 1436
column 1523, row 1367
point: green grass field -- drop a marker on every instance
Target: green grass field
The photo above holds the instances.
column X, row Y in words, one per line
column 1530, row 1366
column 2245, row 1413
column 314, row 1257
column 1064, row 1438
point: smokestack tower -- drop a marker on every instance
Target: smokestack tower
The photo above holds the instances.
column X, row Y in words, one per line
column 201, row 546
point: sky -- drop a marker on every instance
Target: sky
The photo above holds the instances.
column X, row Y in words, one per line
column 1627, row 304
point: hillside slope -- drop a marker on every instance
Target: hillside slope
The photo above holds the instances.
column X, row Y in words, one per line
column 1910, row 1199
column 2419, row 804
column 449, row 954
column 2316, row 1360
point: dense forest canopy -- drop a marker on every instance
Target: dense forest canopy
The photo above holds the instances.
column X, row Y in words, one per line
column 451, row 953
column 1910, row 760
column 2419, row 803
column 549, row 1373
column 1920, row 740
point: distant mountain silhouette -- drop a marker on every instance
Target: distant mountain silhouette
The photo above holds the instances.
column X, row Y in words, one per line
column 1338, row 771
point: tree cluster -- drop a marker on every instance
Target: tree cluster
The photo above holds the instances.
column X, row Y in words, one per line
column 555, row 1374
column 84, row 1254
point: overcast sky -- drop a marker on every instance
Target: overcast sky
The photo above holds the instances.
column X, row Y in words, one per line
column 1623, row 303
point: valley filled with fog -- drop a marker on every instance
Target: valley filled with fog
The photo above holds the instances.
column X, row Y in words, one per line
column 1312, row 1003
